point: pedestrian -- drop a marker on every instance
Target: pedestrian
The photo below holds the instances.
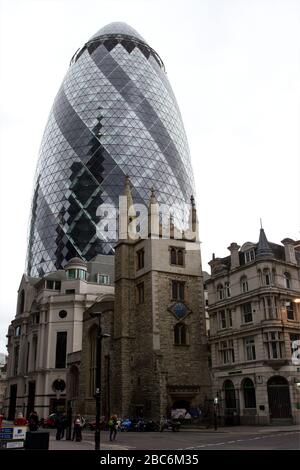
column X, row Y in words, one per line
column 20, row 420
column 77, row 431
column 33, row 421
column 113, row 427
column 60, row 422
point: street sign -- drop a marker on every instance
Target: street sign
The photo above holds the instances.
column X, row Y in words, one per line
column 20, row 432
column 6, row 433
column 14, row 445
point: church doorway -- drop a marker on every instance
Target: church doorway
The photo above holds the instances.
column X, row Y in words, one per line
column 180, row 408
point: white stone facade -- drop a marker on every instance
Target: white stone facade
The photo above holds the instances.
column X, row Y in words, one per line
column 47, row 327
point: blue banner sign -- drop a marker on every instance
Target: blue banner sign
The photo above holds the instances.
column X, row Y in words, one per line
column 6, row 433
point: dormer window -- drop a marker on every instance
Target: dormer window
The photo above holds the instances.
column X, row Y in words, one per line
column 249, row 256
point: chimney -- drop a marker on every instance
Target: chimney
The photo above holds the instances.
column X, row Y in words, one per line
column 289, row 250
column 234, row 255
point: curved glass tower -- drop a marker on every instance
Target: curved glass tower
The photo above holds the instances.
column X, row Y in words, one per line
column 114, row 115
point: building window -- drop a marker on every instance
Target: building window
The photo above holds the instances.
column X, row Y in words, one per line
column 267, row 277
column 294, row 347
column 227, row 289
column 70, row 291
column 71, row 273
column 178, row 290
column 62, row 314
column 225, row 319
column 173, row 256
column 103, row 279
column 76, row 274
column 61, row 350
column 247, row 313
column 49, row 285
column 141, row 293
column 27, row 357
column 229, row 316
column 140, row 258
column 22, row 301
column 226, row 352
column 270, row 307
column 16, row 359
column 249, row 394
column 289, row 305
column 273, row 344
column 222, row 319
column 287, row 280
column 220, row 292
column 81, row 274
column 177, row 257
column 57, row 285
column 249, row 256
column 250, row 348
column 34, row 352
column 180, row 334
column 244, row 284
column 18, row 331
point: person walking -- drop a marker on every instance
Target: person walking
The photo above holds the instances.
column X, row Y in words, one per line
column 60, row 426
column 33, row 421
column 113, row 427
column 77, row 431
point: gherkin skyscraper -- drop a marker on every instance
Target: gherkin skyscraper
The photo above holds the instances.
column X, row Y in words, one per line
column 115, row 114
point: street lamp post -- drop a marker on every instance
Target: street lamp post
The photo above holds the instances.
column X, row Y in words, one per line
column 98, row 376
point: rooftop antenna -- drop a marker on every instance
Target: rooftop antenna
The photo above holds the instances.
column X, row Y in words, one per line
column 261, row 223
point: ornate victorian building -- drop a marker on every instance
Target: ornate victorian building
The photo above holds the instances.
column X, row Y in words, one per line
column 254, row 312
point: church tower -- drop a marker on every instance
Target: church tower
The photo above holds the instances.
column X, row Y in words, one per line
column 159, row 351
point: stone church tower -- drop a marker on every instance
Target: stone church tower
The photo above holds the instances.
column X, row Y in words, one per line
column 159, row 356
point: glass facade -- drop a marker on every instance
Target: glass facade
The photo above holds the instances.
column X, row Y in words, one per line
column 114, row 115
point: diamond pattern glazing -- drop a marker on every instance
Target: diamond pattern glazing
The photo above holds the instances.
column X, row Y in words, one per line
column 114, row 115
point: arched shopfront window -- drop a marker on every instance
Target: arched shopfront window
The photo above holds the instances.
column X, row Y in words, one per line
column 249, row 394
column 229, row 390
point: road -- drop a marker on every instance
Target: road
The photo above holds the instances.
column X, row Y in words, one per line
column 261, row 439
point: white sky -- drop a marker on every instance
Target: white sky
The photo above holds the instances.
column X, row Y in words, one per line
column 234, row 66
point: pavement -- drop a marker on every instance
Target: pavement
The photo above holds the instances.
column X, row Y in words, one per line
column 190, row 438
column 233, row 438
column 243, row 429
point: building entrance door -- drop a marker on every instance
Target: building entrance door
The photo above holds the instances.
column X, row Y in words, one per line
column 279, row 398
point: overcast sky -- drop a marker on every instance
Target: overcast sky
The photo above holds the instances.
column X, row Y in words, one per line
column 235, row 69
